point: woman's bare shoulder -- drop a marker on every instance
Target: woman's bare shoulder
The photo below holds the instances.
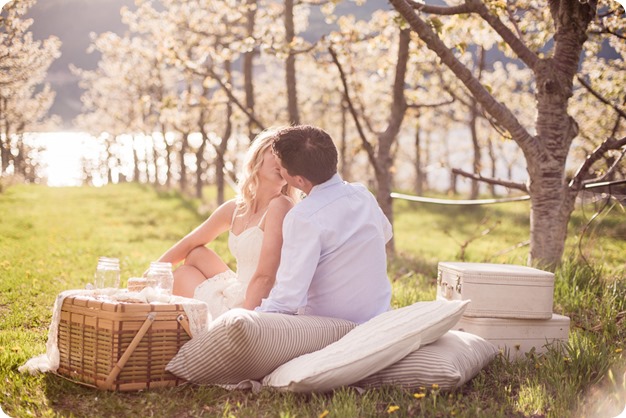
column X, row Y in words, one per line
column 281, row 203
column 226, row 209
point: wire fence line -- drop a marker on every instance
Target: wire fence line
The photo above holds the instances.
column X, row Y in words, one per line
column 609, row 187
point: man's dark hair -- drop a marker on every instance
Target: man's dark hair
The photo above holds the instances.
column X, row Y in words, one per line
column 306, row 151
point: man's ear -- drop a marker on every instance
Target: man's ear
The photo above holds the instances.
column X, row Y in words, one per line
column 303, row 184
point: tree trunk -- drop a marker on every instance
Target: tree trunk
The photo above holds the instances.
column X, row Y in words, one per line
column 384, row 159
column 494, row 172
column 290, row 66
column 343, row 143
column 248, row 63
column 136, row 173
column 184, row 146
column 168, row 158
column 381, row 159
column 5, row 140
column 552, row 200
column 477, row 165
column 151, row 162
column 223, row 145
column 419, row 172
column 201, row 167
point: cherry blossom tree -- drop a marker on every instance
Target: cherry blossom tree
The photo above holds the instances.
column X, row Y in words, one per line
column 24, row 97
column 524, row 29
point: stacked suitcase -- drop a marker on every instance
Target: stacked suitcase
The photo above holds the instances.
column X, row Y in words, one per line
column 511, row 305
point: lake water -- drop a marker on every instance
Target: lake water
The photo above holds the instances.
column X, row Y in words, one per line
column 63, row 156
column 66, row 153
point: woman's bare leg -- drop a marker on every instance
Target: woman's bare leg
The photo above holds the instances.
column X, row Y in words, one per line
column 201, row 264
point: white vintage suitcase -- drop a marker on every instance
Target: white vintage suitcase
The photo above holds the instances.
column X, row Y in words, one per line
column 497, row 290
column 518, row 336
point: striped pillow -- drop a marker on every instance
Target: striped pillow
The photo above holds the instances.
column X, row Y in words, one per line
column 449, row 362
column 246, row 345
column 368, row 348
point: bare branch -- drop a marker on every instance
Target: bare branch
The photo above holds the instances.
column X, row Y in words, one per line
column 523, row 52
column 583, row 172
column 313, row 2
column 509, row 12
column 609, row 31
column 599, row 96
column 431, row 105
column 208, row 71
column 344, row 81
column 611, row 169
column 497, row 182
column 477, row 6
column 498, row 110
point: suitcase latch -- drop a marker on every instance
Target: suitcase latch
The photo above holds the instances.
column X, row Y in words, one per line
column 458, row 285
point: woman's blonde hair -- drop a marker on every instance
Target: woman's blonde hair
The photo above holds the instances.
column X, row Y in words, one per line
column 249, row 180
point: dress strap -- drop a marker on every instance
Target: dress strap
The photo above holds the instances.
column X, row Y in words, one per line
column 262, row 218
column 232, row 221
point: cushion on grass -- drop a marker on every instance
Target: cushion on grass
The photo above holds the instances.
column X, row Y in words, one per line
column 449, row 362
column 241, row 345
column 368, row 348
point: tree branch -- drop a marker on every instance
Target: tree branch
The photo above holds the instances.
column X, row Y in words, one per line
column 344, row 81
column 477, row 6
column 232, row 97
column 509, row 12
column 430, row 105
column 609, row 31
column 498, row 110
column 523, row 52
column 610, row 170
column 497, row 182
column 599, row 96
column 583, row 172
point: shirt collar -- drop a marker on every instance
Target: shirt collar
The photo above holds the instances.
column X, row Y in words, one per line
column 335, row 179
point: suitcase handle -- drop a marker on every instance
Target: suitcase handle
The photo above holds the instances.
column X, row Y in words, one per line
column 448, row 287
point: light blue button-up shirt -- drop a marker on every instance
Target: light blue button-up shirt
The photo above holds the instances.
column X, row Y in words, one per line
column 333, row 261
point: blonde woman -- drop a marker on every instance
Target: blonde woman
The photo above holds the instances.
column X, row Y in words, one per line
column 254, row 221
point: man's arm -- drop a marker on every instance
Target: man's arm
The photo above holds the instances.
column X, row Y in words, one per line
column 387, row 228
column 298, row 261
column 264, row 277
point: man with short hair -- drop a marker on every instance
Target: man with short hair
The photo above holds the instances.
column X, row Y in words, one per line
column 333, row 260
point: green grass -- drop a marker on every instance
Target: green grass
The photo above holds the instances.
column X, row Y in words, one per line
column 50, row 240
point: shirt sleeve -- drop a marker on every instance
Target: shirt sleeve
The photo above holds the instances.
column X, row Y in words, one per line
column 387, row 228
column 298, row 261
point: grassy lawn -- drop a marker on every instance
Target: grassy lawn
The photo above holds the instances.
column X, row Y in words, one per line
column 50, row 239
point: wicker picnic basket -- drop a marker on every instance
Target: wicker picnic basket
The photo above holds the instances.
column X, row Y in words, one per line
column 120, row 346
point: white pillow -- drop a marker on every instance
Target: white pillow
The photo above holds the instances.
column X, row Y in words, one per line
column 368, row 348
column 246, row 345
column 449, row 362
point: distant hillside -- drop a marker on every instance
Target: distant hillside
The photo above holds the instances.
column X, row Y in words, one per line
column 73, row 20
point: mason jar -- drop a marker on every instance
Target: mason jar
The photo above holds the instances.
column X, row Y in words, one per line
column 107, row 274
column 160, row 273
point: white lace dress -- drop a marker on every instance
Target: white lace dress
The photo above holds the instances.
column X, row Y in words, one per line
column 227, row 290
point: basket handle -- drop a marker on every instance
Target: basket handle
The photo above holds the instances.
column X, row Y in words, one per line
column 184, row 322
column 133, row 345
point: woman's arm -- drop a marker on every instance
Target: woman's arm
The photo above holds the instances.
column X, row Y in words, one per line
column 206, row 232
column 264, row 276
